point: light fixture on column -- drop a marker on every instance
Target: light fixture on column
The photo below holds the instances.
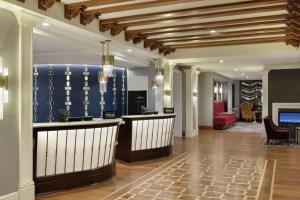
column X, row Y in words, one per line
column 216, row 89
column 108, row 60
column 221, row 89
column 159, row 72
column 102, row 82
column 3, row 89
column 155, row 86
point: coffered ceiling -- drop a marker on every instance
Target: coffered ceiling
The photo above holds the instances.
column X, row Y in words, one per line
column 168, row 25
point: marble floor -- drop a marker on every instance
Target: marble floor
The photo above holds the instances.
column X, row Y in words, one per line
column 214, row 165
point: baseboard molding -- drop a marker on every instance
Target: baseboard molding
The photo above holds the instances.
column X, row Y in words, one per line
column 26, row 191
column 11, row 196
column 206, row 128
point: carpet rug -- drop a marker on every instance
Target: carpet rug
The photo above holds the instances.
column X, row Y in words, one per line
column 246, row 127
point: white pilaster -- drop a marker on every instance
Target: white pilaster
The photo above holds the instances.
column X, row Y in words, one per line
column 265, row 96
column 265, row 84
column 191, row 101
column 159, row 97
column 26, row 185
column 168, row 84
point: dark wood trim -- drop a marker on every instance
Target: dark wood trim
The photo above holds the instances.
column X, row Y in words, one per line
column 45, row 4
column 73, row 180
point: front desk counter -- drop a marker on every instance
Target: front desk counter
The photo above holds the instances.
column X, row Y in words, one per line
column 144, row 137
column 73, row 154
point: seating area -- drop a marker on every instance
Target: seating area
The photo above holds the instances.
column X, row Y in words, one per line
column 275, row 133
column 247, row 112
column 222, row 119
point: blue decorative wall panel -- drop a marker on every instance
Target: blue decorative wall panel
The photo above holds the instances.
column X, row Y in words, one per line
column 56, row 87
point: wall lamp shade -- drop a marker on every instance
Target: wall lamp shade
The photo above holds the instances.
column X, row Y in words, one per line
column 155, row 86
column 3, row 89
column 168, row 92
column 216, row 89
column 159, row 75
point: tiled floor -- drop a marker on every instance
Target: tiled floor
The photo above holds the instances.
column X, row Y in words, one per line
column 215, row 165
column 201, row 178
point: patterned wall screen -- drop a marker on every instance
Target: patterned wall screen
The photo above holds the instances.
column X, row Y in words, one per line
column 76, row 88
column 251, row 92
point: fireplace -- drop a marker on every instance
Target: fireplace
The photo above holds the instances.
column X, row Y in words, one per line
column 285, row 109
column 288, row 116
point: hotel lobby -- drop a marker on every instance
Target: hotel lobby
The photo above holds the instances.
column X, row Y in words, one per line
column 149, row 99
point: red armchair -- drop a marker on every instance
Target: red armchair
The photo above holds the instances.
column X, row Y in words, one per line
column 275, row 132
column 222, row 119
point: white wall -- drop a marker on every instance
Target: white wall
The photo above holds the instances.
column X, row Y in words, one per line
column 9, row 126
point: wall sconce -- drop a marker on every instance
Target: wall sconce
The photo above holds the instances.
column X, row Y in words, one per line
column 221, row 89
column 195, row 94
column 159, row 74
column 168, row 92
column 155, row 86
column 3, row 89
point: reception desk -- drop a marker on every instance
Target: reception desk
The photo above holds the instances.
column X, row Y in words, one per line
column 145, row 137
column 73, row 154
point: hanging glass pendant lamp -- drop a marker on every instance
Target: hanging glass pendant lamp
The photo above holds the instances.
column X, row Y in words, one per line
column 108, row 61
column 102, row 82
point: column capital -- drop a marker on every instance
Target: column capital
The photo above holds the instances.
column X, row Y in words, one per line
column 28, row 19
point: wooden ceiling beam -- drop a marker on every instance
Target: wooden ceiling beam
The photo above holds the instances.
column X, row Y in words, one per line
column 229, row 36
column 214, row 23
column 135, row 6
column 211, row 8
column 92, row 3
column 186, row 37
column 231, row 42
column 263, row 9
column 45, row 4
column 221, row 28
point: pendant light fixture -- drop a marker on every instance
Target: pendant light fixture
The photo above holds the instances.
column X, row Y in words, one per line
column 102, row 82
column 108, row 60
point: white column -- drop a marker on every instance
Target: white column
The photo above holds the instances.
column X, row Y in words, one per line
column 191, row 102
column 168, row 84
column 26, row 184
column 265, row 87
column 159, row 97
column 265, row 96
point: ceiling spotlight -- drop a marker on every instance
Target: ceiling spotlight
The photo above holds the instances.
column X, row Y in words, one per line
column 221, row 61
column 129, row 50
column 213, row 31
column 236, row 70
column 45, row 24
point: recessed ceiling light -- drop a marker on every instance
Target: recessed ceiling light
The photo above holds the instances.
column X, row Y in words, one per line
column 221, row 61
column 129, row 50
column 213, row 31
column 45, row 24
column 236, row 70
column 243, row 74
